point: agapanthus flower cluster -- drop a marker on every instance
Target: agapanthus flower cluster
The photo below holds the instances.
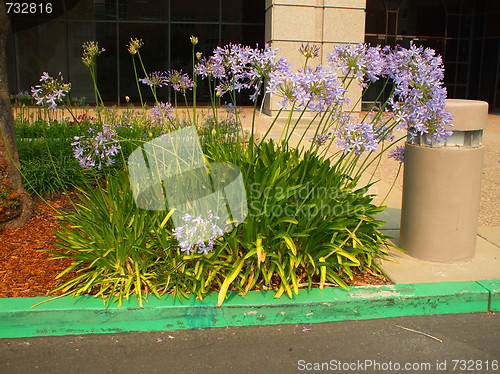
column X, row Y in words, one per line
column 180, row 82
column 237, row 67
column 419, row 96
column 361, row 61
column 398, row 154
column 314, row 89
column 162, row 113
column 51, row 91
column 155, row 79
column 98, row 148
column 233, row 110
column 357, row 137
column 197, row 230
column 90, row 51
column 321, row 139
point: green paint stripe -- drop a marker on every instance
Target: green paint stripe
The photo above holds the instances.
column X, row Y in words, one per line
column 493, row 287
column 83, row 315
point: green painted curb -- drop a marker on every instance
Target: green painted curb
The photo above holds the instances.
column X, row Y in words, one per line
column 84, row 315
column 493, row 287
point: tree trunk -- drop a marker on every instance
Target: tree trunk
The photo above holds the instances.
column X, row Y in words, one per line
column 16, row 206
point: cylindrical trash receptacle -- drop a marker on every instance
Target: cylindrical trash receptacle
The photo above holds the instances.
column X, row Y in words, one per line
column 442, row 188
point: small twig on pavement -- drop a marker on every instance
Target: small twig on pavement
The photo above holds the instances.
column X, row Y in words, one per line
column 419, row 332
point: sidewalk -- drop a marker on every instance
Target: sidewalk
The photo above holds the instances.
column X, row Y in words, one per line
column 401, row 268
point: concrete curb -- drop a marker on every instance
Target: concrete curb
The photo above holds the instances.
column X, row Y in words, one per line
column 493, row 287
column 86, row 315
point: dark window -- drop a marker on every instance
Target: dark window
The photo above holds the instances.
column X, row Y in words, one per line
column 164, row 25
column 465, row 32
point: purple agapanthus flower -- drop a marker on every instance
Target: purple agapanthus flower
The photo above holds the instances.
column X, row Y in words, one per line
column 162, row 112
column 236, row 67
column 155, row 79
column 96, row 149
column 309, row 50
column 316, row 89
column 51, row 91
column 179, row 81
column 198, row 235
column 419, row 98
column 361, row 61
column 398, row 154
column 321, row 139
column 356, row 137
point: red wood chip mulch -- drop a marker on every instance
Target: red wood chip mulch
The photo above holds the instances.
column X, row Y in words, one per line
column 25, row 265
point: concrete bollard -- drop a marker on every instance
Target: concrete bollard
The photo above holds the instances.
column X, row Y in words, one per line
column 442, row 188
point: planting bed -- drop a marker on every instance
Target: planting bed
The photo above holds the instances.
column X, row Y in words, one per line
column 27, row 270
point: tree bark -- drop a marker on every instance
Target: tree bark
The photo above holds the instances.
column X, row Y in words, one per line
column 9, row 160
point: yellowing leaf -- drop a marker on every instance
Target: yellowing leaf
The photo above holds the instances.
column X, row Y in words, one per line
column 349, row 256
column 228, row 281
column 322, row 270
column 261, row 255
column 162, row 225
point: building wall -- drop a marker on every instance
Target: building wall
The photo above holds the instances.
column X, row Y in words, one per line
column 465, row 32
column 325, row 23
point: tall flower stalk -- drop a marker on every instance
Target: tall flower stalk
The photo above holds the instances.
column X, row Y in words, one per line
column 181, row 83
column 133, row 48
column 90, row 51
column 153, row 80
column 194, row 41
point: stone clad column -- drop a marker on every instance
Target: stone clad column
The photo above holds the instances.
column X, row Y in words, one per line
column 289, row 23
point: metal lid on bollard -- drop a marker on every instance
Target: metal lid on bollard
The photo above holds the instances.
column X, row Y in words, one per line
column 468, row 114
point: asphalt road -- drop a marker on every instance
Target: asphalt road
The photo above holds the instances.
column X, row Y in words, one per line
column 469, row 343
